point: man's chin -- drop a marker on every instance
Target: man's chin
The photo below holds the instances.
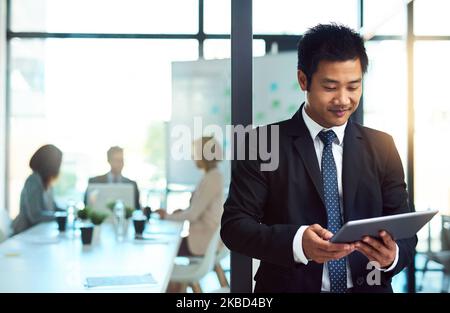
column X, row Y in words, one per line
column 338, row 121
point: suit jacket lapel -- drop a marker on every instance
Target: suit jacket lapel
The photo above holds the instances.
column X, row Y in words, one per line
column 351, row 167
column 305, row 148
column 104, row 178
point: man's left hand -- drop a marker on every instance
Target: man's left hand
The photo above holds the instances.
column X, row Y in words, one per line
column 381, row 250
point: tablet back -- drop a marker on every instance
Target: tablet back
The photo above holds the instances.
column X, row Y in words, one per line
column 400, row 226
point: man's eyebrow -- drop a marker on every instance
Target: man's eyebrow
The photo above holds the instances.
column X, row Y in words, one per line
column 330, row 81
column 333, row 81
column 355, row 81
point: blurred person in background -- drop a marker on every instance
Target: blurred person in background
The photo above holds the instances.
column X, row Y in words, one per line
column 116, row 161
column 206, row 204
column 36, row 199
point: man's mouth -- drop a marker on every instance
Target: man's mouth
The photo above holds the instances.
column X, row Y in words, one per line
column 339, row 112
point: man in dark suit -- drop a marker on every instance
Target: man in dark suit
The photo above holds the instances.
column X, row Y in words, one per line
column 330, row 171
column 115, row 160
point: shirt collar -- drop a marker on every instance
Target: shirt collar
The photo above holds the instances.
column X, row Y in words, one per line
column 110, row 176
column 314, row 128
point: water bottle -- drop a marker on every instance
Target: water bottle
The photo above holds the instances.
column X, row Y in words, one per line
column 71, row 216
column 119, row 213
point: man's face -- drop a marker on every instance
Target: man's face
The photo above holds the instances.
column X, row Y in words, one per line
column 116, row 162
column 335, row 91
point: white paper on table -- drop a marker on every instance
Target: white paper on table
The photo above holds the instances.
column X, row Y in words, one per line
column 161, row 232
column 152, row 240
column 40, row 239
column 106, row 281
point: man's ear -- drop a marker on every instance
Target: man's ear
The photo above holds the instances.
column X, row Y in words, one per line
column 302, row 80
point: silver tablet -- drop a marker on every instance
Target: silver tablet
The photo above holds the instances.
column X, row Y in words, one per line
column 400, row 226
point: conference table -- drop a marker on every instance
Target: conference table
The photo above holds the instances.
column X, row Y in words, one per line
column 42, row 259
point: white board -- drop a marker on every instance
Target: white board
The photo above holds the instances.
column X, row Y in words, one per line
column 203, row 89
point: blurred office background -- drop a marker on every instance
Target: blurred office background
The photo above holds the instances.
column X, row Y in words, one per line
column 87, row 75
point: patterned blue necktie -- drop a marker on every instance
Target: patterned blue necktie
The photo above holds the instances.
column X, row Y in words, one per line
column 336, row 268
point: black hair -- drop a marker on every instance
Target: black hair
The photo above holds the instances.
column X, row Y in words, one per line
column 330, row 42
column 46, row 161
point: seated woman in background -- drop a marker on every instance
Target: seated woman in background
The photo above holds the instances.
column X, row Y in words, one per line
column 206, row 205
column 36, row 200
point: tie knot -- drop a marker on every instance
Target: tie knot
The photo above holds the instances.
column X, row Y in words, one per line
column 327, row 137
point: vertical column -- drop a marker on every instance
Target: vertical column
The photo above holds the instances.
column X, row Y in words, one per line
column 241, row 112
column 358, row 116
column 411, row 125
column 201, row 32
column 3, row 102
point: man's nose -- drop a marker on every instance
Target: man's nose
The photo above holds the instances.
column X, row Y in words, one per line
column 342, row 98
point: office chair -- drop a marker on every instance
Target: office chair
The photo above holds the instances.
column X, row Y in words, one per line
column 198, row 267
column 5, row 225
column 2, row 236
column 441, row 257
column 222, row 252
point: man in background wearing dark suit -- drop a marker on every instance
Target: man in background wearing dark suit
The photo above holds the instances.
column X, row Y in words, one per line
column 330, row 171
column 115, row 160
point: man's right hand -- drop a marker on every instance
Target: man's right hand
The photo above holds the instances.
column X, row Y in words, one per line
column 317, row 247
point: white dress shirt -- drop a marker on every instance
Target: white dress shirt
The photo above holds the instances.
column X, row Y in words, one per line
column 114, row 178
column 337, row 149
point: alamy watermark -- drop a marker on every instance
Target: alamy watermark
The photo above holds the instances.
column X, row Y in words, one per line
column 260, row 144
column 374, row 276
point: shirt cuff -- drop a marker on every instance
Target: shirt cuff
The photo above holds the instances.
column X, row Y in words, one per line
column 394, row 264
column 297, row 246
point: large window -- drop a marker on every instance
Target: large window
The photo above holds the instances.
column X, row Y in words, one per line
column 105, row 16
column 221, row 48
column 431, row 17
column 384, row 17
column 3, row 117
column 385, row 91
column 85, row 95
column 432, row 118
column 217, row 17
column 295, row 17
column 282, row 16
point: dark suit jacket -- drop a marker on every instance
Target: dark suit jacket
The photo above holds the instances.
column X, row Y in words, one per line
column 264, row 210
column 103, row 179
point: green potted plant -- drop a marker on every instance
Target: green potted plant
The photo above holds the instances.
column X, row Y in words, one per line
column 83, row 214
column 128, row 212
column 111, row 205
column 95, row 217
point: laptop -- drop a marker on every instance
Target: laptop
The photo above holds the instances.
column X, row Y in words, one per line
column 100, row 195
